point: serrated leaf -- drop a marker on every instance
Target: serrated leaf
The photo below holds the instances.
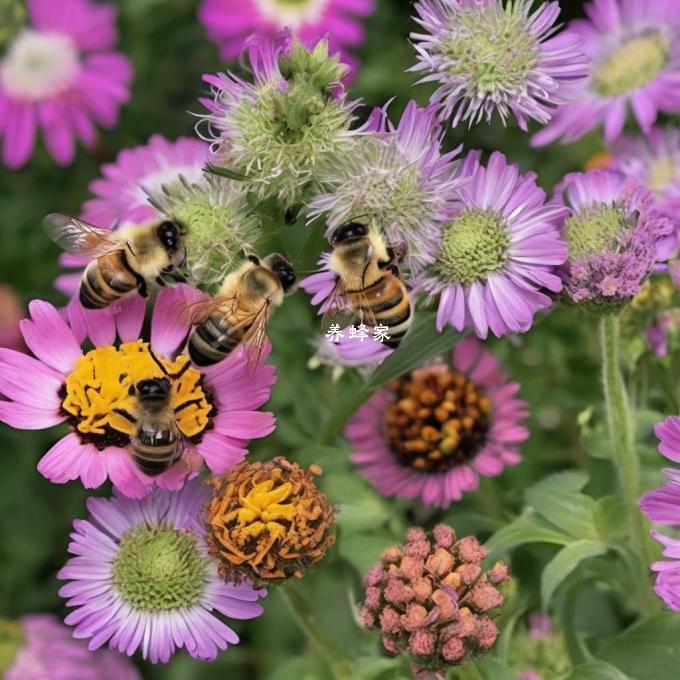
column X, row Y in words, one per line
column 556, row 498
column 596, row 670
column 610, row 517
column 422, row 343
column 564, row 563
column 527, row 528
column 648, row 650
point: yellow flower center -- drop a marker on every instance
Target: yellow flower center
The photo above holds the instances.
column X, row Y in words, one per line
column 103, row 381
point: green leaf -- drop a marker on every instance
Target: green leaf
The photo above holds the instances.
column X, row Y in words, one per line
column 564, row 563
column 596, row 670
column 364, row 550
column 371, row 668
column 648, row 650
column 527, row 528
column 225, row 172
column 423, row 342
column 361, row 509
column 610, row 518
column 558, row 500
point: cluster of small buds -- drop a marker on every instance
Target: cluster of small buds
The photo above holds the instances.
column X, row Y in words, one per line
column 432, row 600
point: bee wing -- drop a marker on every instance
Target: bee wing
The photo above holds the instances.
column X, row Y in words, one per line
column 199, row 311
column 337, row 308
column 76, row 236
column 364, row 313
column 256, row 337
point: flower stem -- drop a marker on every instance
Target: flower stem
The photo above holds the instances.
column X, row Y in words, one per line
column 622, row 436
column 340, row 665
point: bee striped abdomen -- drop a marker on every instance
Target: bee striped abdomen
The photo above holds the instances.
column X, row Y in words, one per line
column 388, row 303
column 154, row 450
column 106, row 280
column 213, row 340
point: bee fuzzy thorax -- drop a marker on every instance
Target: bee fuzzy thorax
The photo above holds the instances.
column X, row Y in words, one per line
column 146, row 253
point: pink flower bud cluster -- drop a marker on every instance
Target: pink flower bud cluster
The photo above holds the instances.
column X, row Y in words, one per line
column 432, row 600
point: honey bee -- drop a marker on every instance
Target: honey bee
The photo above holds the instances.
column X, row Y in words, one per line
column 156, row 443
column 124, row 260
column 369, row 285
column 239, row 313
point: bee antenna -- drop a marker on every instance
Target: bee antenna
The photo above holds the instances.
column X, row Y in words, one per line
column 129, row 245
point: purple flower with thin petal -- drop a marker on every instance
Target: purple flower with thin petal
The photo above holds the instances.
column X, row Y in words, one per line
column 399, row 181
column 616, row 237
column 61, row 75
column 48, row 651
column 230, row 23
column 142, row 578
column 480, row 437
column 494, row 262
column 662, row 506
column 634, row 52
column 488, row 57
column 216, row 408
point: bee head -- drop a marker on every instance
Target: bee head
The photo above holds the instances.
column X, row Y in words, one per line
column 170, row 235
column 282, row 268
column 153, row 388
column 348, row 233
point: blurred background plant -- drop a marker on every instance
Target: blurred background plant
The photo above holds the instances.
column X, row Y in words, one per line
column 556, row 365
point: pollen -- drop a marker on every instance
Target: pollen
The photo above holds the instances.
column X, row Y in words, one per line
column 474, row 245
column 268, row 522
column 101, row 386
column 632, row 65
column 438, row 419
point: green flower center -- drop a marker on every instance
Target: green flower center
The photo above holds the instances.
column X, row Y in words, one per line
column 593, row 230
column 492, row 48
column 11, row 642
column 662, row 172
column 474, row 245
column 633, row 64
column 159, row 569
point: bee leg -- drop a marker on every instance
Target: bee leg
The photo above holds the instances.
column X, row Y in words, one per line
column 141, row 286
column 179, row 278
column 160, row 281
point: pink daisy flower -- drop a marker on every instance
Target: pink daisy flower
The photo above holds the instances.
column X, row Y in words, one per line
column 142, row 578
column 231, row 22
column 493, row 263
column 433, row 432
column 634, row 51
column 46, row 650
column 122, row 192
column 662, row 506
column 61, row 74
column 215, row 407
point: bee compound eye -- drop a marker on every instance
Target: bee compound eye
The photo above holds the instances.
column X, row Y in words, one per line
column 348, row 232
column 285, row 274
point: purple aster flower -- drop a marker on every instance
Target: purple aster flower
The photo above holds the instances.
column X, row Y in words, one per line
column 655, row 161
column 634, row 53
column 398, row 180
column 491, row 262
column 489, row 57
column 44, row 649
column 231, row 22
column 662, row 506
column 469, row 421
column 142, row 578
column 346, row 352
column 615, row 237
column 286, row 125
column 61, row 74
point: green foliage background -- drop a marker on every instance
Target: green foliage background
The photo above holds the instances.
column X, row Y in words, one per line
column 556, row 364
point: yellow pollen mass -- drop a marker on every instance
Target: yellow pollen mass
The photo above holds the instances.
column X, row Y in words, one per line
column 102, row 380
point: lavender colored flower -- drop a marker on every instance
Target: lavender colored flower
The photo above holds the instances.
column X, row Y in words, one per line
column 615, row 238
column 142, row 578
column 44, row 649
column 662, row 506
column 487, row 57
column 432, row 433
column 347, row 353
column 282, row 129
column 231, row 22
column 432, row 600
column 398, row 180
column 654, row 160
column 491, row 262
column 61, row 74
column 633, row 48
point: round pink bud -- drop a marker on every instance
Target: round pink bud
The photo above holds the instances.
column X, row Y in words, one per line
column 421, row 643
column 414, row 618
column 420, row 549
column 393, row 554
column 484, row 597
column 440, row 563
column 469, row 549
column 422, row 587
column 372, row 599
column 453, row 650
column 390, row 621
column 469, row 572
column 398, row 592
column 411, row 567
column 447, row 603
column 416, row 534
column 389, row 645
column 374, row 576
column 444, row 535
column 367, row 618
column 499, row 573
column 487, row 633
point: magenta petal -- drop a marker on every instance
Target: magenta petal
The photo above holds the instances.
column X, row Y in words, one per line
column 62, row 463
column 24, row 417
